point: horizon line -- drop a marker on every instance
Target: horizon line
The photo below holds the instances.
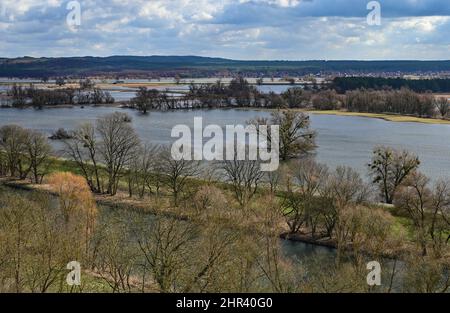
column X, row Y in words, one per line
column 227, row 59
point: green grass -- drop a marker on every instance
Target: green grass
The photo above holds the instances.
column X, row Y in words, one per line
column 60, row 165
column 89, row 284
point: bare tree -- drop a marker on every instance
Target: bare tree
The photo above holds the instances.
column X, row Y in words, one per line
column 17, row 229
column 117, row 255
column 33, row 242
column 415, row 198
column 443, row 106
column 206, row 272
column 345, row 189
column 25, row 151
column 13, row 141
column 300, row 199
column 244, row 177
column 141, row 169
column 426, row 275
column 274, row 179
column 83, row 148
column 38, row 155
column 440, row 217
column 346, row 186
column 428, row 210
column 176, row 173
column 166, row 247
column 119, row 142
column 389, row 168
column 274, row 267
column 363, row 230
column 296, row 137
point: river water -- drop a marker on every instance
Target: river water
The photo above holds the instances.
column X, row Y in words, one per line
column 341, row 140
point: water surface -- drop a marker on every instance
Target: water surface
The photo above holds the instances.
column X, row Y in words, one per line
column 341, row 140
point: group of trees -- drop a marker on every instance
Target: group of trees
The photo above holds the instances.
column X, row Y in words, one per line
column 153, row 169
column 334, row 204
column 428, row 207
column 239, row 93
column 31, row 96
column 153, row 99
column 108, row 146
column 39, row 236
column 110, row 151
column 130, row 252
column 402, row 101
column 111, row 157
column 328, row 204
column 24, row 153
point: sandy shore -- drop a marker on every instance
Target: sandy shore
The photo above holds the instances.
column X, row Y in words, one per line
column 387, row 117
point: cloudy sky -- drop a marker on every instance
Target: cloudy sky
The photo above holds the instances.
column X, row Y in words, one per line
column 238, row 29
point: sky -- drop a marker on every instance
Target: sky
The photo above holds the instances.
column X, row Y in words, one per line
column 235, row 29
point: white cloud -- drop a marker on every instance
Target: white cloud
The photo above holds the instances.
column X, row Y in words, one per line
column 243, row 29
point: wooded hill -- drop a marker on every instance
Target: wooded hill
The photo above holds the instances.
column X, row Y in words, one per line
column 194, row 66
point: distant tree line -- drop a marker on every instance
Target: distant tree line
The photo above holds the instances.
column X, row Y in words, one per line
column 343, row 84
column 192, row 66
column 239, row 93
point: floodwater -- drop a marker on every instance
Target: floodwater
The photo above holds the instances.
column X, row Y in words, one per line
column 341, row 140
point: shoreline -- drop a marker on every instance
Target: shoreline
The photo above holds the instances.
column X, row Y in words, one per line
column 384, row 116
